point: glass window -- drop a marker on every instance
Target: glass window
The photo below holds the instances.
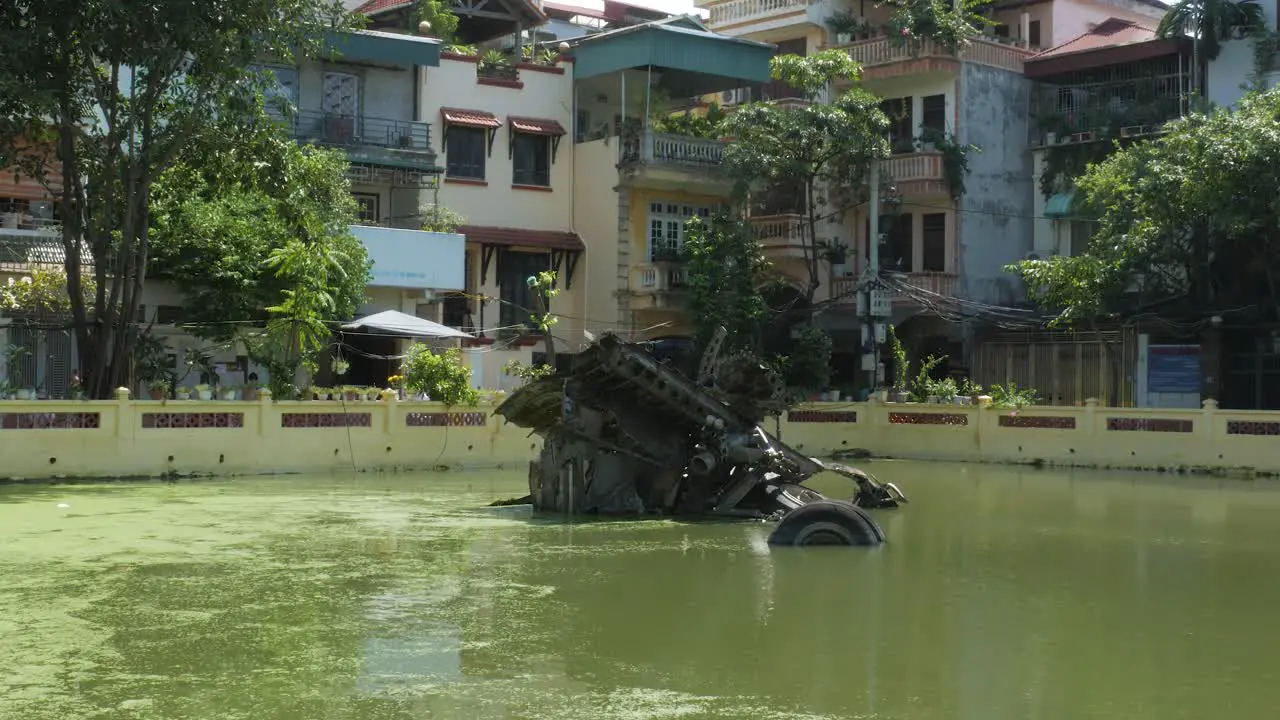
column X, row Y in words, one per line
column 933, row 231
column 901, row 135
column 531, row 160
column 514, row 271
column 935, row 114
column 666, row 228
column 367, row 208
column 465, row 152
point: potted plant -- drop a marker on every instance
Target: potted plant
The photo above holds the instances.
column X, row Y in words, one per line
column 350, row 393
column 836, row 253
column 372, row 393
column 340, row 366
column 230, row 392
column 843, row 24
column 159, row 388
column 900, row 367
column 204, row 391
column 945, row 391
column 182, row 393
column 969, row 392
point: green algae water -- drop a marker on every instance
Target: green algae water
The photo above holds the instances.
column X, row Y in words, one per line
column 1001, row 594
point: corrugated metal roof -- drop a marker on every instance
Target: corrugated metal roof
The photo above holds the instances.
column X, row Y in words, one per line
column 536, row 126
column 470, row 118
column 21, row 250
column 1111, row 32
column 550, row 239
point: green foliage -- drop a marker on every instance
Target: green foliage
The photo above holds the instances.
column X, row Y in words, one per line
column 442, row 376
column 1179, row 216
column 156, row 77
column 1265, row 44
column 808, row 366
column 438, row 218
column 969, row 388
column 828, row 145
column 1012, row 397
column 923, row 384
column 951, row 25
column 945, row 389
column 1210, row 21
column 218, row 214
column 42, row 290
column 725, row 270
column 528, row 373
column 544, row 288
column 955, row 159
column 151, row 361
column 705, row 125
column 444, row 23
column 901, row 368
column 11, row 358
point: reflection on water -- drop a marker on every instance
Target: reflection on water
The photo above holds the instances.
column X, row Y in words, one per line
column 1001, row 594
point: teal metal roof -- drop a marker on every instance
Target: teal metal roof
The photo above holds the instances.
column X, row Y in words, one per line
column 1061, row 205
column 692, row 59
column 384, row 47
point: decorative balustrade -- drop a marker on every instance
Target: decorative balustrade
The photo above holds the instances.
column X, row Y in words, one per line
column 772, row 230
column 738, row 11
column 881, row 51
column 651, row 148
column 914, row 166
column 659, row 277
column 405, row 139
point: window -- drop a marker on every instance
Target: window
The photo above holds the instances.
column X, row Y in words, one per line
column 1002, row 30
column 531, row 160
column 895, row 252
column 933, row 236
column 666, row 228
column 367, row 208
column 900, row 135
column 465, row 151
column 935, row 114
column 1033, row 33
column 281, row 97
column 1081, row 231
column 514, row 271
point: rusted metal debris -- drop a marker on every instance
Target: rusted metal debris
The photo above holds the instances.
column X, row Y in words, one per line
column 626, row 434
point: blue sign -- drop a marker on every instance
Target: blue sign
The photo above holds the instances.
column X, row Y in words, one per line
column 1173, row 369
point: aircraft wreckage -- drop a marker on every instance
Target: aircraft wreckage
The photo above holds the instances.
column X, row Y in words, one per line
column 625, row 433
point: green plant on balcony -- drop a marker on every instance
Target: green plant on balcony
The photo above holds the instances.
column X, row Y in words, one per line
column 953, row 25
column 440, row 219
column 955, row 159
column 843, row 24
column 666, row 252
column 834, row 252
column 539, row 55
column 689, row 124
column 496, row 64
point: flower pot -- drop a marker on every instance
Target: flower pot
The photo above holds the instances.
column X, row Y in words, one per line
column 228, row 394
column 205, row 394
column 844, row 38
column 901, row 397
column 962, row 401
column 250, row 393
column 882, row 395
column 26, row 394
column 1051, row 138
column 157, row 393
column 935, row 400
column 838, row 269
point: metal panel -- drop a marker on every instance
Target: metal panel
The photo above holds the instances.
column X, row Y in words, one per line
column 715, row 59
column 382, row 47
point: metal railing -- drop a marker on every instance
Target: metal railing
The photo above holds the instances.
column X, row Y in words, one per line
column 27, row 215
column 355, row 131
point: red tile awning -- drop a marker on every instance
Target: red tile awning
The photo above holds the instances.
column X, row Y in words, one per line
column 511, row 237
column 536, row 126
column 470, row 118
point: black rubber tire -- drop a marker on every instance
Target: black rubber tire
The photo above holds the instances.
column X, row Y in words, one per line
column 827, row 522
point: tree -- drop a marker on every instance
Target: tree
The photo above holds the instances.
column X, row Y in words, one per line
column 1180, row 217
column 111, row 92
column 725, row 273
column 816, row 147
column 1208, row 23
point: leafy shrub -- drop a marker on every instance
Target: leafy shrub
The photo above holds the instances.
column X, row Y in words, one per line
column 441, row 376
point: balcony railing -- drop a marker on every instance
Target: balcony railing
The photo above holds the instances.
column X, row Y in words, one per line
column 739, row 11
column 882, row 51
column 944, row 284
column 368, row 139
column 652, row 148
column 659, row 277
column 782, row 235
column 914, row 166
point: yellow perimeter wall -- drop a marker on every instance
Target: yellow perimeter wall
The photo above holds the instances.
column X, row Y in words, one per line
column 49, row 439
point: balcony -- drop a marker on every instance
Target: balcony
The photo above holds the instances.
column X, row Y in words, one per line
column 27, row 215
column 882, row 57
column 659, row 161
column 658, row 285
column 740, row 12
column 368, row 140
column 781, row 236
column 945, row 284
column 918, row 173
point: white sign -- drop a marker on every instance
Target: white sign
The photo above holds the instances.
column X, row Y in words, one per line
column 413, row 258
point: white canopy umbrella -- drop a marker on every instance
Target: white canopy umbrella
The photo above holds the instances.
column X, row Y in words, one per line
column 394, row 322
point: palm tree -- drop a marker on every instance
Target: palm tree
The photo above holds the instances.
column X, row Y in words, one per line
column 1208, row 23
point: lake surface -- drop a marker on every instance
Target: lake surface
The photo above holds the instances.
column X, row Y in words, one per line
column 1001, row 594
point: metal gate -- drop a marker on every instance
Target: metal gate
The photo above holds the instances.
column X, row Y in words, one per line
column 1063, row 368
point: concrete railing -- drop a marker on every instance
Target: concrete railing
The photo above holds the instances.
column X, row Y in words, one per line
column 914, row 166
column 659, row 277
column 884, row 51
column 934, row 282
column 1089, row 436
column 122, row 438
column 682, row 150
column 741, row 11
column 775, row 230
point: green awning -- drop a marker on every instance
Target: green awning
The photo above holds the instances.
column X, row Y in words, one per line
column 691, row 59
column 1061, row 205
column 384, row 47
